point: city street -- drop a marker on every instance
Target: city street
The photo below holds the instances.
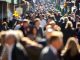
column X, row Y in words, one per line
column 39, row 29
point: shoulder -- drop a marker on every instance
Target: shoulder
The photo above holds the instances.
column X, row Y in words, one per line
column 19, row 48
column 47, row 54
column 19, row 52
column 45, row 50
column 21, row 28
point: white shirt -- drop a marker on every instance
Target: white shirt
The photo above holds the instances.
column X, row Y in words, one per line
column 43, row 23
column 10, row 48
column 74, row 8
column 17, row 27
column 34, row 1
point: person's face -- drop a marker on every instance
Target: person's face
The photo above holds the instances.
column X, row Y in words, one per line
column 25, row 24
column 58, row 44
column 10, row 40
column 41, row 17
column 49, row 20
column 37, row 23
column 48, row 35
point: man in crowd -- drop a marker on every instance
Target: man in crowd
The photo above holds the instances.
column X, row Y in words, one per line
column 11, row 50
column 39, row 29
column 25, row 27
column 55, row 43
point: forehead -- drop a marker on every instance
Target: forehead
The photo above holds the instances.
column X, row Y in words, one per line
column 10, row 37
column 37, row 21
column 25, row 22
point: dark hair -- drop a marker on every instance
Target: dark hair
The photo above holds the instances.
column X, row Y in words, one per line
column 53, row 38
column 33, row 29
column 73, row 48
column 78, row 25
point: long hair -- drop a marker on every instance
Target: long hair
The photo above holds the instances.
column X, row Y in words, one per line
column 72, row 45
column 69, row 24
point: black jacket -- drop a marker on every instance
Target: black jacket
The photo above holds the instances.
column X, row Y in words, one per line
column 18, row 53
column 47, row 54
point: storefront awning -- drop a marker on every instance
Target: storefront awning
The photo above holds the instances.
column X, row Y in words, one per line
column 10, row 1
column 15, row 1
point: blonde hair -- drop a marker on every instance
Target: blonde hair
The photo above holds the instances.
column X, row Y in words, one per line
column 71, row 39
column 69, row 23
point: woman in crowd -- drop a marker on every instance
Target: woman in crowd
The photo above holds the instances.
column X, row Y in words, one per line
column 71, row 50
column 69, row 31
column 33, row 34
column 39, row 29
column 78, row 30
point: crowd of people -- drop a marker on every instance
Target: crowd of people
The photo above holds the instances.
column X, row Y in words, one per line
column 40, row 35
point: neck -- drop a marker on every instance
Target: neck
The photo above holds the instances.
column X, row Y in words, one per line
column 53, row 45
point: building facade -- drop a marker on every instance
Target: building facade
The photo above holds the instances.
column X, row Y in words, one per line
column 7, row 7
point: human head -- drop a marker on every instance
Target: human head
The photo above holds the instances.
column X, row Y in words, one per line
column 69, row 24
column 48, row 33
column 37, row 22
column 10, row 37
column 56, row 40
column 25, row 22
column 72, row 45
column 52, row 23
column 56, row 28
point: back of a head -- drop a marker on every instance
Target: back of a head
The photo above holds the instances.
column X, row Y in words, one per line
column 72, row 46
column 69, row 24
column 56, row 39
column 53, row 38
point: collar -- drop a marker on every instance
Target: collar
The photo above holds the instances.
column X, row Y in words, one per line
column 10, row 47
column 54, row 50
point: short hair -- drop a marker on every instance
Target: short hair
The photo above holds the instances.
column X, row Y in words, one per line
column 36, row 20
column 53, row 38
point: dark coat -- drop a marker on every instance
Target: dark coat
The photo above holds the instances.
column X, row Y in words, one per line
column 1, row 47
column 78, row 34
column 68, row 56
column 68, row 33
column 40, row 32
column 25, row 31
column 47, row 54
column 18, row 53
column 2, row 27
